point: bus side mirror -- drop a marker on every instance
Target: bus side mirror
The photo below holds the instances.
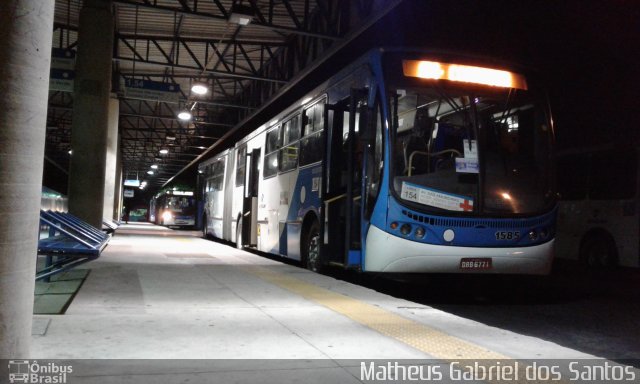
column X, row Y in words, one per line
column 366, row 128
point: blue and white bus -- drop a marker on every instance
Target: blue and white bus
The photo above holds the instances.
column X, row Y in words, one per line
column 175, row 208
column 405, row 161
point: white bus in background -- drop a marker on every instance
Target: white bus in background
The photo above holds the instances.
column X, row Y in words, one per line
column 598, row 218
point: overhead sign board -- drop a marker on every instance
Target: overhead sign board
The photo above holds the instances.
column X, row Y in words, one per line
column 152, row 90
column 181, row 193
column 128, row 193
column 63, row 58
column 132, row 183
column 61, row 80
column 63, row 62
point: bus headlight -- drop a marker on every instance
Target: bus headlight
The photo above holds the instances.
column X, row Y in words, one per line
column 167, row 215
column 533, row 235
column 419, row 232
column 405, row 229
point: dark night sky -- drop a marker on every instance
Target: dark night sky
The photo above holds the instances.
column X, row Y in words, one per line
column 587, row 51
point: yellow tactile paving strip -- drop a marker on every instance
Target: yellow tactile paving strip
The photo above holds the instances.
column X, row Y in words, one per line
column 433, row 342
column 417, row 335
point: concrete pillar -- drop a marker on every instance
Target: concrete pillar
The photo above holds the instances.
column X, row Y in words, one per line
column 110, row 181
column 117, row 209
column 26, row 27
column 89, row 128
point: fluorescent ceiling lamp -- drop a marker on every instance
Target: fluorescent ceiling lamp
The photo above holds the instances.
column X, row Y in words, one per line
column 150, row 172
column 164, row 151
column 154, row 166
column 184, row 115
column 240, row 19
column 241, row 14
column 199, row 89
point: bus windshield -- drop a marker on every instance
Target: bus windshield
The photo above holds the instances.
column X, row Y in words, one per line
column 470, row 149
column 180, row 205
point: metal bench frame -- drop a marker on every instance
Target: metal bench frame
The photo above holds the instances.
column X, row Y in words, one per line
column 71, row 242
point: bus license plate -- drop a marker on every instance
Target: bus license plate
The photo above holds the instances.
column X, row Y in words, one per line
column 480, row 263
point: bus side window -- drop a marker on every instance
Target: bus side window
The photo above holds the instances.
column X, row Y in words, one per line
column 375, row 161
column 311, row 145
column 289, row 151
column 216, row 182
column 271, row 152
column 573, row 177
column 240, row 167
column 613, row 175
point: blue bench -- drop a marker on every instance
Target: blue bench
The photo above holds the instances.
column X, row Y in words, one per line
column 110, row 226
column 71, row 242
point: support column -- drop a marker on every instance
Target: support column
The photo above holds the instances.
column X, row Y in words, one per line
column 117, row 209
column 110, row 180
column 26, row 27
column 89, row 128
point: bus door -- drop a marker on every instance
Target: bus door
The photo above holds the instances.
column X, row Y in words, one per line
column 341, row 183
column 250, row 200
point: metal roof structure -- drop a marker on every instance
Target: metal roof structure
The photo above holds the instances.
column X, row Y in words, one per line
column 183, row 42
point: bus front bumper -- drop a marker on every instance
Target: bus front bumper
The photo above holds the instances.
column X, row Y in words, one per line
column 389, row 253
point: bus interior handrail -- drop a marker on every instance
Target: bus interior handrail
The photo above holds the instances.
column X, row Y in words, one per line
column 428, row 154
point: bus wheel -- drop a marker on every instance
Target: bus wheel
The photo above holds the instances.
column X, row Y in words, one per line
column 598, row 251
column 205, row 233
column 311, row 248
column 239, row 234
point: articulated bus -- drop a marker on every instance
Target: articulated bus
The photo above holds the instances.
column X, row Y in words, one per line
column 173, row 208
column 404, row 161
column 598, row 218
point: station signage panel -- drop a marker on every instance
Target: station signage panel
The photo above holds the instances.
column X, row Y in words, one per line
column 182, row 193
column 63, row 63
column 152, row 90
column 132, row 183
column 128, row 193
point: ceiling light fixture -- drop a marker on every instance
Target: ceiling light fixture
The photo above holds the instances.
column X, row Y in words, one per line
column 150, row 172
column 164, row 151
column 241, row 14
column 184, row 115
column 199, row 89
column 154, row 166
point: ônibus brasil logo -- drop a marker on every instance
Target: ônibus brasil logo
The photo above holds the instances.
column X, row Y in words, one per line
column 25, row 371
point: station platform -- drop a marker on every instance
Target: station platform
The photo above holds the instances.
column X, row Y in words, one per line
column 157, row 293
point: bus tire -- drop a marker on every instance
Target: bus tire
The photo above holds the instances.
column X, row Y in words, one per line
column 205, row 232
column 598, row 251
column 239, row 234
column 311, row 248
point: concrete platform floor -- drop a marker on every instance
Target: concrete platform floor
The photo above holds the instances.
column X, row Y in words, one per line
column 156, row 293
